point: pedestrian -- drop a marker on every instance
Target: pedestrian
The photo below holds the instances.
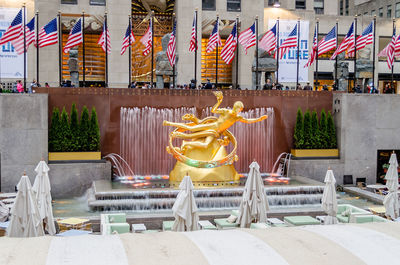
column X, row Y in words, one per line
column 267, row 85
column 308, row 87
column 298, row 87
column 46, row 84
column 20, row 87
column 334, row 86
column 208, row 85
column 325, row 88
column 192, row 84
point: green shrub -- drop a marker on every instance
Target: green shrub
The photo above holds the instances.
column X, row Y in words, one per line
column 315, row 141
column 323, row 131
column 299, row 130
column 65, row 132
column 331, row 132
column 94, row 132
column 84, row 128
column 307, row 131
column 74, row 126
column 54, row 131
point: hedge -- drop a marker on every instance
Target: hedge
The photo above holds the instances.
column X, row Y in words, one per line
column 68, row 133
column 311, row 132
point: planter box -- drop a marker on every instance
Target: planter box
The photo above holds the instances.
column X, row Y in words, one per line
column 315, row 152
column 58, row 156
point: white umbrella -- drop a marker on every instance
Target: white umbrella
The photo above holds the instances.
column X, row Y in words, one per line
column 185, row 208
column 391, row 200
column 329, row 202
column 25, row 219
column 41, row 188
column 254, row 204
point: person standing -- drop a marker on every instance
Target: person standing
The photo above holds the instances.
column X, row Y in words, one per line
column 268, row 85
column 208, row 85
column 308, row 87
column 20, row 87
column 33, row 84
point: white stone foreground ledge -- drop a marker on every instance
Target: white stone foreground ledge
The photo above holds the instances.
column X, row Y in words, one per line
column 333, row 244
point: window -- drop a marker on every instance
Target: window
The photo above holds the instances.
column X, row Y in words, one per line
column 71, row 2
column 397, row 10
column 341, row 7
column 208, row 4
column 300, row 4
column 233, row 5
column 271, row 2
column 365, row 13
column 389, row 11
column 381, row 12
column 373, row 13
column 319, row 6
column 98, row 2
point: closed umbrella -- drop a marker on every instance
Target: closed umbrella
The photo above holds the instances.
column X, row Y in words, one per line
column 41, row 189
column 3, row 212
column 25, row 219
column 185, row 208
column 391, row 200
column 254, row 204
column 329, row 202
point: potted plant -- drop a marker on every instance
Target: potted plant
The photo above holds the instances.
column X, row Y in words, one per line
column 385, row 167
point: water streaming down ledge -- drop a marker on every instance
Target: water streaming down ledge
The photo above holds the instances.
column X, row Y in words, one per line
column 206, row 199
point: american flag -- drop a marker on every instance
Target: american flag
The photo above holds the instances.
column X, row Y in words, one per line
column 75, row 36
column 328, row 42
column 171, row 49
column 311, row 59
column 129, row 38
column 346, row 42
column 366, row 38
column 147, row 39
column 193, row 37
column 268, row 41
column 14, row 30
column 214, row 38
column 30, row 37
column 389, row 51
column 248, row 37
column 102, row 40
column 48, row 34
column 397, row 46
column 291, row 41
column 228, row 52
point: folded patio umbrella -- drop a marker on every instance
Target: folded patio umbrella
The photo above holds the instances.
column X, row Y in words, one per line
column 391, row 200
column 41, row 189
column 25, row 219
column 329, row 202
column 3, row 212
column 185, row 209
column 254, row 204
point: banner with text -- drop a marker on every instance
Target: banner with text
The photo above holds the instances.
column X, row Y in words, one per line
column 288, row 64
column 11, row 64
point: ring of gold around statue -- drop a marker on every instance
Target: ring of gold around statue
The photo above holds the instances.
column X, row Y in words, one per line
column 227, row 160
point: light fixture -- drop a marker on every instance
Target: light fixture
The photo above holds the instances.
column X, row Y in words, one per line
column 277, row 4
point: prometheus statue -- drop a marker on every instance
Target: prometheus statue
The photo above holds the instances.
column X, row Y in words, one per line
column 202, row 153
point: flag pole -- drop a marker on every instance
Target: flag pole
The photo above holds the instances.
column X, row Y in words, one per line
column 152, row 46
column 277, row 52
column 59, row 48
column 83, row 48
column 173, row 66
column 355, row 51
column 237, row 53
column 374, row 56
column 316, row 55
column 336, row 59
column 37, row 46
column 24, row 46
column 298, row 51
column 106, row 45
column 257, row 53
column 195, row 51
column 216, row 57
column 394, row 30
column 130, row 52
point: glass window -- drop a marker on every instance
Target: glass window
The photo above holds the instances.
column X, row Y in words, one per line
column 319, row 6
column 300, row 4
column 71, row 2
column 397, row 10
column 271, row 2
column 365, row 13
column 98, row 2
column 341, row 7
column 373, row 13
column 389, row 11
column 233, row 5
column 381, row 12
column 208, row 4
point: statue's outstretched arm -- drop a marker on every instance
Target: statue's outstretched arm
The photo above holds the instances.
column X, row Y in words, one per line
column 215, row 109
column 244, row 120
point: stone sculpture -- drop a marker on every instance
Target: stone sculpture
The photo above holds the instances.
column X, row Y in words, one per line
column 73, row 66
column 163, row 67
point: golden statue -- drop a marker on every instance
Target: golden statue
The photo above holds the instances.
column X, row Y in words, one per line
column 202, row 154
